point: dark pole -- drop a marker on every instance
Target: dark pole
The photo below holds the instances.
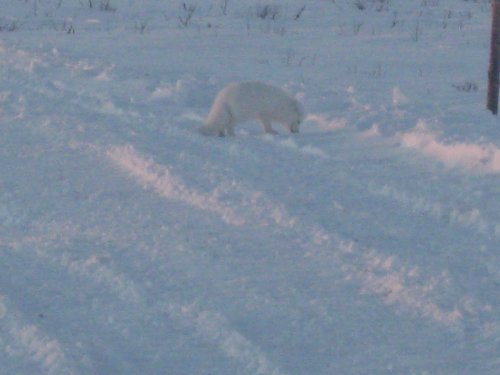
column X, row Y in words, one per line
column 493, row 73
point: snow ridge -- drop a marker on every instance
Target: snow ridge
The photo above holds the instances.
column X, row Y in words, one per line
column 475, row 157
column 162, row 181
column 28, row 341
column 467, row 219
column 254, row 206
column 214, row 327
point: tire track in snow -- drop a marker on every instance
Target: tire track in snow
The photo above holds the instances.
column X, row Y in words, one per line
column 46, row 255
column 210, row 326
column 469, row 219
column 381, row 275
column 49, row 249
column 160, row 179
column 25, row 340
column 214, row 327
column 375, row 273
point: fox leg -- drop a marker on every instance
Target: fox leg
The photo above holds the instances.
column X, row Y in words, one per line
column 228, row 122
column 267, row 126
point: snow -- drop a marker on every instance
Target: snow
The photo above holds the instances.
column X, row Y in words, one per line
column 130, row 244
column 484, row 158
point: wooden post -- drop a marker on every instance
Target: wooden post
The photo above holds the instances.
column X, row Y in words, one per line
column 493, row 72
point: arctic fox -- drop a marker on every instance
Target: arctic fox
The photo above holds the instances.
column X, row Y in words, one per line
column 243, row 101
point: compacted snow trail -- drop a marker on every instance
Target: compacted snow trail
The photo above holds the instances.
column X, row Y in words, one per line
column 132, row 244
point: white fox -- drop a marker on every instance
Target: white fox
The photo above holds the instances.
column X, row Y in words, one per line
column 243, row 101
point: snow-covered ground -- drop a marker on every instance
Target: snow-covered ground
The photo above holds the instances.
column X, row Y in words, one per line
column 130, row 244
